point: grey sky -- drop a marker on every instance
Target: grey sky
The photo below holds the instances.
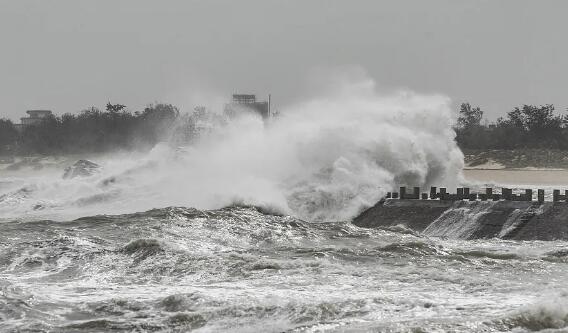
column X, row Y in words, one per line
column 66, row 55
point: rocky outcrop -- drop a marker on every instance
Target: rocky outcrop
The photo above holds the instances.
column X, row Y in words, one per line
column 81, row 168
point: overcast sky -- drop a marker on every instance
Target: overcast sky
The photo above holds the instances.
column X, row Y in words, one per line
column 66, row 55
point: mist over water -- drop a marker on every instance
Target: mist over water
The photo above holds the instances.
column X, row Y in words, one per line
column 323, row 159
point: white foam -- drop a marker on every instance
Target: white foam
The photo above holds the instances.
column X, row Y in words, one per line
column 323, row 159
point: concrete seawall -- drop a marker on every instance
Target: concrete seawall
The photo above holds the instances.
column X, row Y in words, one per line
column 519, row 220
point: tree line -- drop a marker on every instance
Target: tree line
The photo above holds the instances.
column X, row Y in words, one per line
column 528, row 126
column 92, row 130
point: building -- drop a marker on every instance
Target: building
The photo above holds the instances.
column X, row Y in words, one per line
column 35, row 117
column 247, row 103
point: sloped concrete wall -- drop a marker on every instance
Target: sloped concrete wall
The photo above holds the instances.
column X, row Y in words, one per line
column 501, row 219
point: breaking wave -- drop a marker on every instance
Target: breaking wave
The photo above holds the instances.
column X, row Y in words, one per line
column 323, row 159
column 241, row 269
column 550, row 315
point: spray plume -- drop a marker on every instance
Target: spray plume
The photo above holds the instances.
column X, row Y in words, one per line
column 323, row 159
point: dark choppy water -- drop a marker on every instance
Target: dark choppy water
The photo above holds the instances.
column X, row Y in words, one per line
column 239, row 270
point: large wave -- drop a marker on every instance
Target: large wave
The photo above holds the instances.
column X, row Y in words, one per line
column 322, row 159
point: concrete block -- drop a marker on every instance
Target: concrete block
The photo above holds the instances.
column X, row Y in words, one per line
column 443, row 194
column 433, row 193
column 416, row 193
column 507, row 193
column 528, row 195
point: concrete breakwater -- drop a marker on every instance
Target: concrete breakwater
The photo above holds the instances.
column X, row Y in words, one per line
column 463, row 193
column 466, row 215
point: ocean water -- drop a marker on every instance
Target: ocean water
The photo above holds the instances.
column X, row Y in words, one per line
column 248, row 230
column 239, row 269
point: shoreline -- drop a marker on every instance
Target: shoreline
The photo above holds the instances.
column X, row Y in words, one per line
column 518, row 176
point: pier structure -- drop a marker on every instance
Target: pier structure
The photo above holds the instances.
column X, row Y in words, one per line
column 464, row 193
column 520, row 214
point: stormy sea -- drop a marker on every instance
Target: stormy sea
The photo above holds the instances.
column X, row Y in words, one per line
column 249, row 230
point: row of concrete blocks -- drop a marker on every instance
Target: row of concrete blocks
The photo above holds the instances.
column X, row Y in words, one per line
column 463, row 193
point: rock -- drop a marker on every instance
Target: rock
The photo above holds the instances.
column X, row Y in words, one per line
column 81, row 168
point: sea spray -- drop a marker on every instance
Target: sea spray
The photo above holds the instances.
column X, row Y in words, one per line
column 323, row 159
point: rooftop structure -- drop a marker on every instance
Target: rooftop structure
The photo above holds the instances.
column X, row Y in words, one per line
column 243, row 103
column 36, row 117
column 244, row 99
column 39, row 113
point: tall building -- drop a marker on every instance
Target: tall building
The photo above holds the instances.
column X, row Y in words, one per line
column 243, row 103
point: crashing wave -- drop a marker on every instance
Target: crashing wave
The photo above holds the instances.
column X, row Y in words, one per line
column 545, row 315
column 321, row 160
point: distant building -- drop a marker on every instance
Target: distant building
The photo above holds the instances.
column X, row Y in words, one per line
column 247, row 103
column 36, row 117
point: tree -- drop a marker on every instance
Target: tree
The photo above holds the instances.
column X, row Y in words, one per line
column 160, row 112
column 538, row 125
column 43, row 138
column 156, row 122
column 469, row 132
column 469, row 117
column 113, row 108
column 8, row 136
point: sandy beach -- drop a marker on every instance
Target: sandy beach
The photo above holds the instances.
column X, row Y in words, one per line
column 526, row 176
